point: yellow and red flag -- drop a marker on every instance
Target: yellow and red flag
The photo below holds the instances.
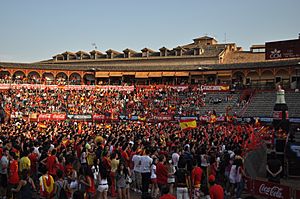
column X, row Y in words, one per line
column 213, row 118
column 188, row 124
column 42, row 126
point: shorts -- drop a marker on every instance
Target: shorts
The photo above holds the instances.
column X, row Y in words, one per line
column 3, row 180
column 154, row 181
column 102, row 188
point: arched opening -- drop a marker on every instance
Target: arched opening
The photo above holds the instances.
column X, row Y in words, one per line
column 252, row 79
column 267, row 79
column 48, row 78
column 75, row 79
column 282, row 77
column 89, row 79
column 5, row 76
column 61, row 78
column 19, row 76
column 238, row 79
column 34, row 77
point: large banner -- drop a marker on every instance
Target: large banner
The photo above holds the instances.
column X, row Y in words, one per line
column 162, row 118
column 68, row 87
column 52, row 117
column 152, row 87
column 271, row 190
column 283, row 49
column 215, row 87
column 98, row 117
column 78, row 117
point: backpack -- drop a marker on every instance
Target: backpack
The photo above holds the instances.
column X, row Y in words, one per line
column 62, row 194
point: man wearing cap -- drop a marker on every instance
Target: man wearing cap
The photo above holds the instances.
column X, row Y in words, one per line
column 215, row 191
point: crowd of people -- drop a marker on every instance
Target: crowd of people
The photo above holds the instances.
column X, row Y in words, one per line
column 72, row 159
column 36, row 79
column 97, row 160
column 145, row 103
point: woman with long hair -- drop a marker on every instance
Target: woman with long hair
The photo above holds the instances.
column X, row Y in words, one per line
column 171, row 175
column 154, row 188
column 121, row 175
column 102, row 188
column 89, row 184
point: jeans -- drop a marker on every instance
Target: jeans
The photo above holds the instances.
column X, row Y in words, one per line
column 239, row 188
column 146, row 182
column 182, row 193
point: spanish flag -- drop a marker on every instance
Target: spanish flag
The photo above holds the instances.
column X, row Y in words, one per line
column 188, row 124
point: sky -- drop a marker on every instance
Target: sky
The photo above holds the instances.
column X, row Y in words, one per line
column 35, row 30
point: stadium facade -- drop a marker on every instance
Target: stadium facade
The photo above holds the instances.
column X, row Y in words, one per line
column 204, row 61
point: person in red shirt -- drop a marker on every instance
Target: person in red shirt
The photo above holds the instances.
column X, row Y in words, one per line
column 215, row 191
column 196, row 178
column 161, row 173
column 166, row 195
column 13, row 177
column 33, row 160
column 89, row 182
column 125, row 155
column 51, row 163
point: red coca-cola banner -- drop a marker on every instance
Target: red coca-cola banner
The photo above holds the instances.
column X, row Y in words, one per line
column 52, row 117
column 271, row 190
column 98, row 117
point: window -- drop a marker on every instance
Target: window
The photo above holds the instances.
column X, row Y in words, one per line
column 248, row 80
column 277, row 79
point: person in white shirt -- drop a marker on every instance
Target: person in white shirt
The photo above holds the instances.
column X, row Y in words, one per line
column 136, row 159
column 154, row 189
column 146, row 162
column 175, row 158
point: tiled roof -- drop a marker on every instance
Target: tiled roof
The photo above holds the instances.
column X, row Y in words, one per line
column 179, row 67
column 243, row 57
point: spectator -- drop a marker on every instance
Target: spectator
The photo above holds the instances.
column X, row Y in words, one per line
column 215, row 191
column 165, row 194
column 26, row 186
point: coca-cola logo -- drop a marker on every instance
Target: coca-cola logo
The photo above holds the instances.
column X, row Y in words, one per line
column 44, row 116
column 59, row 116
column 98, row 117
column 274, row 191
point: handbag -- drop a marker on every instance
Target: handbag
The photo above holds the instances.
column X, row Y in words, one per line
column 74, row 184
column 128, row 180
